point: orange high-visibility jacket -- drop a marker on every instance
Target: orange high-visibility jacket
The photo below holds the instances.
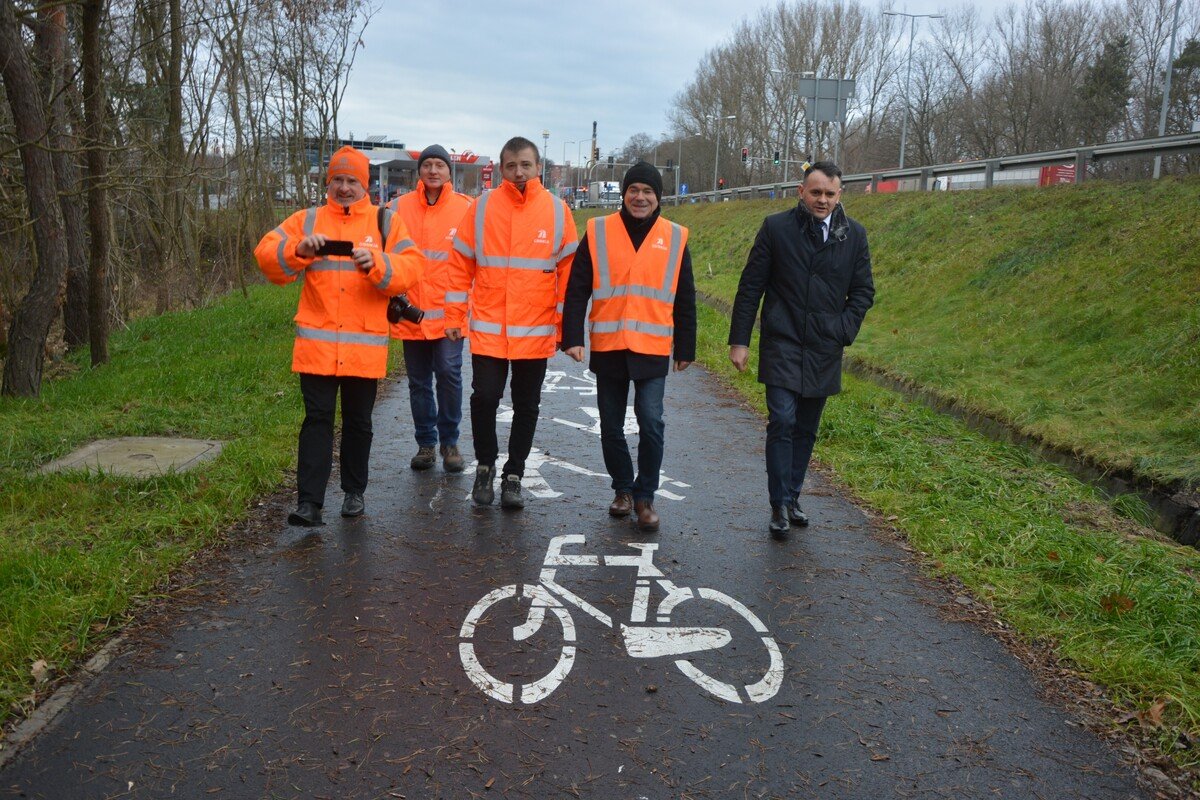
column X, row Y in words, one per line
column 341, row 321
column 512, row 256
column 633, row 291
column 432, row 227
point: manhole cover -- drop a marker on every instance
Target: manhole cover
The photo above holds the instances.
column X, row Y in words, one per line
column 138, row 456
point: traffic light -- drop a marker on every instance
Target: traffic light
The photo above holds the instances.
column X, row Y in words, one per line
column 596, row 154
column 670, row 163
column 776, row 156
column 610, row 161
column 745, row 155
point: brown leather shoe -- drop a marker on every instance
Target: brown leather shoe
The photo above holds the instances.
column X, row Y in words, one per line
column 647, row 517
column 621, row 505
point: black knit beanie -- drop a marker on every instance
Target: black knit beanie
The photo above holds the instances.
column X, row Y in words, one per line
column 433, row 151
column 642, row 172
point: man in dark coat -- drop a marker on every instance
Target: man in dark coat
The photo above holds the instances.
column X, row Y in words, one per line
column 814, row 267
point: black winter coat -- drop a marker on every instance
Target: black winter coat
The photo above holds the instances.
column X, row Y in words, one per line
column 816, row 295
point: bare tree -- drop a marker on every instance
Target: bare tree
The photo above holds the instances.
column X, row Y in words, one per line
column 31, row 323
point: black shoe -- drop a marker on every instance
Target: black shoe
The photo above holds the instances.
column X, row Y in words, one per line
column 796, row 514
column 306, row 515
column 484, row 493
column 353, row 505
column 779, row 521
column 510, row 492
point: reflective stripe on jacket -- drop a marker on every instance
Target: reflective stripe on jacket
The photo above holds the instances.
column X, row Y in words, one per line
column 512, row 256
column 433, row 228
column 341, row 320
column 633, row 291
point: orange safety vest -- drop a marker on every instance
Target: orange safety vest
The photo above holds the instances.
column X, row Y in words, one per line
column 512, row 256
column 341, row 321
column 432, row 227
column 633, row 291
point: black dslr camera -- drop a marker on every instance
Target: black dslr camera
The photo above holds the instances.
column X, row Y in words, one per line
column 399, row 308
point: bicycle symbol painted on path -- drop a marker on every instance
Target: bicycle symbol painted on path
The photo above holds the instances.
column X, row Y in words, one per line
column 547, row 598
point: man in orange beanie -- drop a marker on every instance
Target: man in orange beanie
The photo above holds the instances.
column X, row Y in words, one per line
column 341, row 324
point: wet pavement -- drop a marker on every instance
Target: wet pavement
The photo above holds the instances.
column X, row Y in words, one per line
column 435, row 650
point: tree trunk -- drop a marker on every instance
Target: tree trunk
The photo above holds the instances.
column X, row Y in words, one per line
column 97, row 194
column 31, row 323
column 50, row 44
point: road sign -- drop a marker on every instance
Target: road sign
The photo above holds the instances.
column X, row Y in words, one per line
column 683, row 188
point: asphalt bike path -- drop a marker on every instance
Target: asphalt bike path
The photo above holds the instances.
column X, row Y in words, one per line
column 432, row 649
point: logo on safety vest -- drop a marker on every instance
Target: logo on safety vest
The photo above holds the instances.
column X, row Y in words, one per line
column 368, row 240
column 450, row 235
column 542, row 238
column 658, row 244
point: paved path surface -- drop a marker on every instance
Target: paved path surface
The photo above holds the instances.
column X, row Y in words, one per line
column 332, row 664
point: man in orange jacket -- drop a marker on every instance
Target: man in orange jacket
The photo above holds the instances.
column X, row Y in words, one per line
column 511, row 258
column 341, row 324
column 431, row 214
column 635, row 268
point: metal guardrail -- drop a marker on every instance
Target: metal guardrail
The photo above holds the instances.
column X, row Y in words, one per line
column 1081, row 157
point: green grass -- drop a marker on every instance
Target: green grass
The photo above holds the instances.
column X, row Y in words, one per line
column 1052, row 557
column 1071, row 313
column 78, row 548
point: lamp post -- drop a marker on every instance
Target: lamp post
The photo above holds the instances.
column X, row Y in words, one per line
column 787, row 144
column 562, row 167
column 1162, row 115
column 912, row 29
column 717, row 153
column 545, row 152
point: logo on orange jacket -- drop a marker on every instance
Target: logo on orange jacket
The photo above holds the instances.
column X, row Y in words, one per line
column 542, row 238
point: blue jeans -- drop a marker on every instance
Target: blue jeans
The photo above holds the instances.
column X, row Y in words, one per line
column 434, row 420
column 611, row 396
column 792, row 423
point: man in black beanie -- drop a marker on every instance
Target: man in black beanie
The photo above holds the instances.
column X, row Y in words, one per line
column 636, row 268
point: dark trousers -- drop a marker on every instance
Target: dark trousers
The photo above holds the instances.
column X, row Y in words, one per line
column 792, row 423
column 611, row 397
column 316, row 434
column 435, row 417
column 488, row 376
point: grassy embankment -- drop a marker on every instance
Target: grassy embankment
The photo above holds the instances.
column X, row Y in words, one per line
column 1072, row 315
column 75, row 549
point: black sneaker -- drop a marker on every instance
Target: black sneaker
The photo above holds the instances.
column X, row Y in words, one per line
column 352, row 505
column 483, row 493
column 306, row 515
column 510, row 492
column 424, row 459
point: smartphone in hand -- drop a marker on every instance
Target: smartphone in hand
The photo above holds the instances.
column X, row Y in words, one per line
column 336, row 247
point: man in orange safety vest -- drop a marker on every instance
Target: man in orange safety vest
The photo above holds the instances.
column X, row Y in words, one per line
column 635, row 267
column 511, row 257
column 341, row 324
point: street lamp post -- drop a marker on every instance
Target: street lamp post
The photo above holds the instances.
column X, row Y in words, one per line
column 1162, row 115
column 912, row 30
column 787, row 144
column 545, row 152
column 717, row 153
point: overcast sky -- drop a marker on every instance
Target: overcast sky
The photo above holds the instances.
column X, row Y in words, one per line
column 470, row 74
